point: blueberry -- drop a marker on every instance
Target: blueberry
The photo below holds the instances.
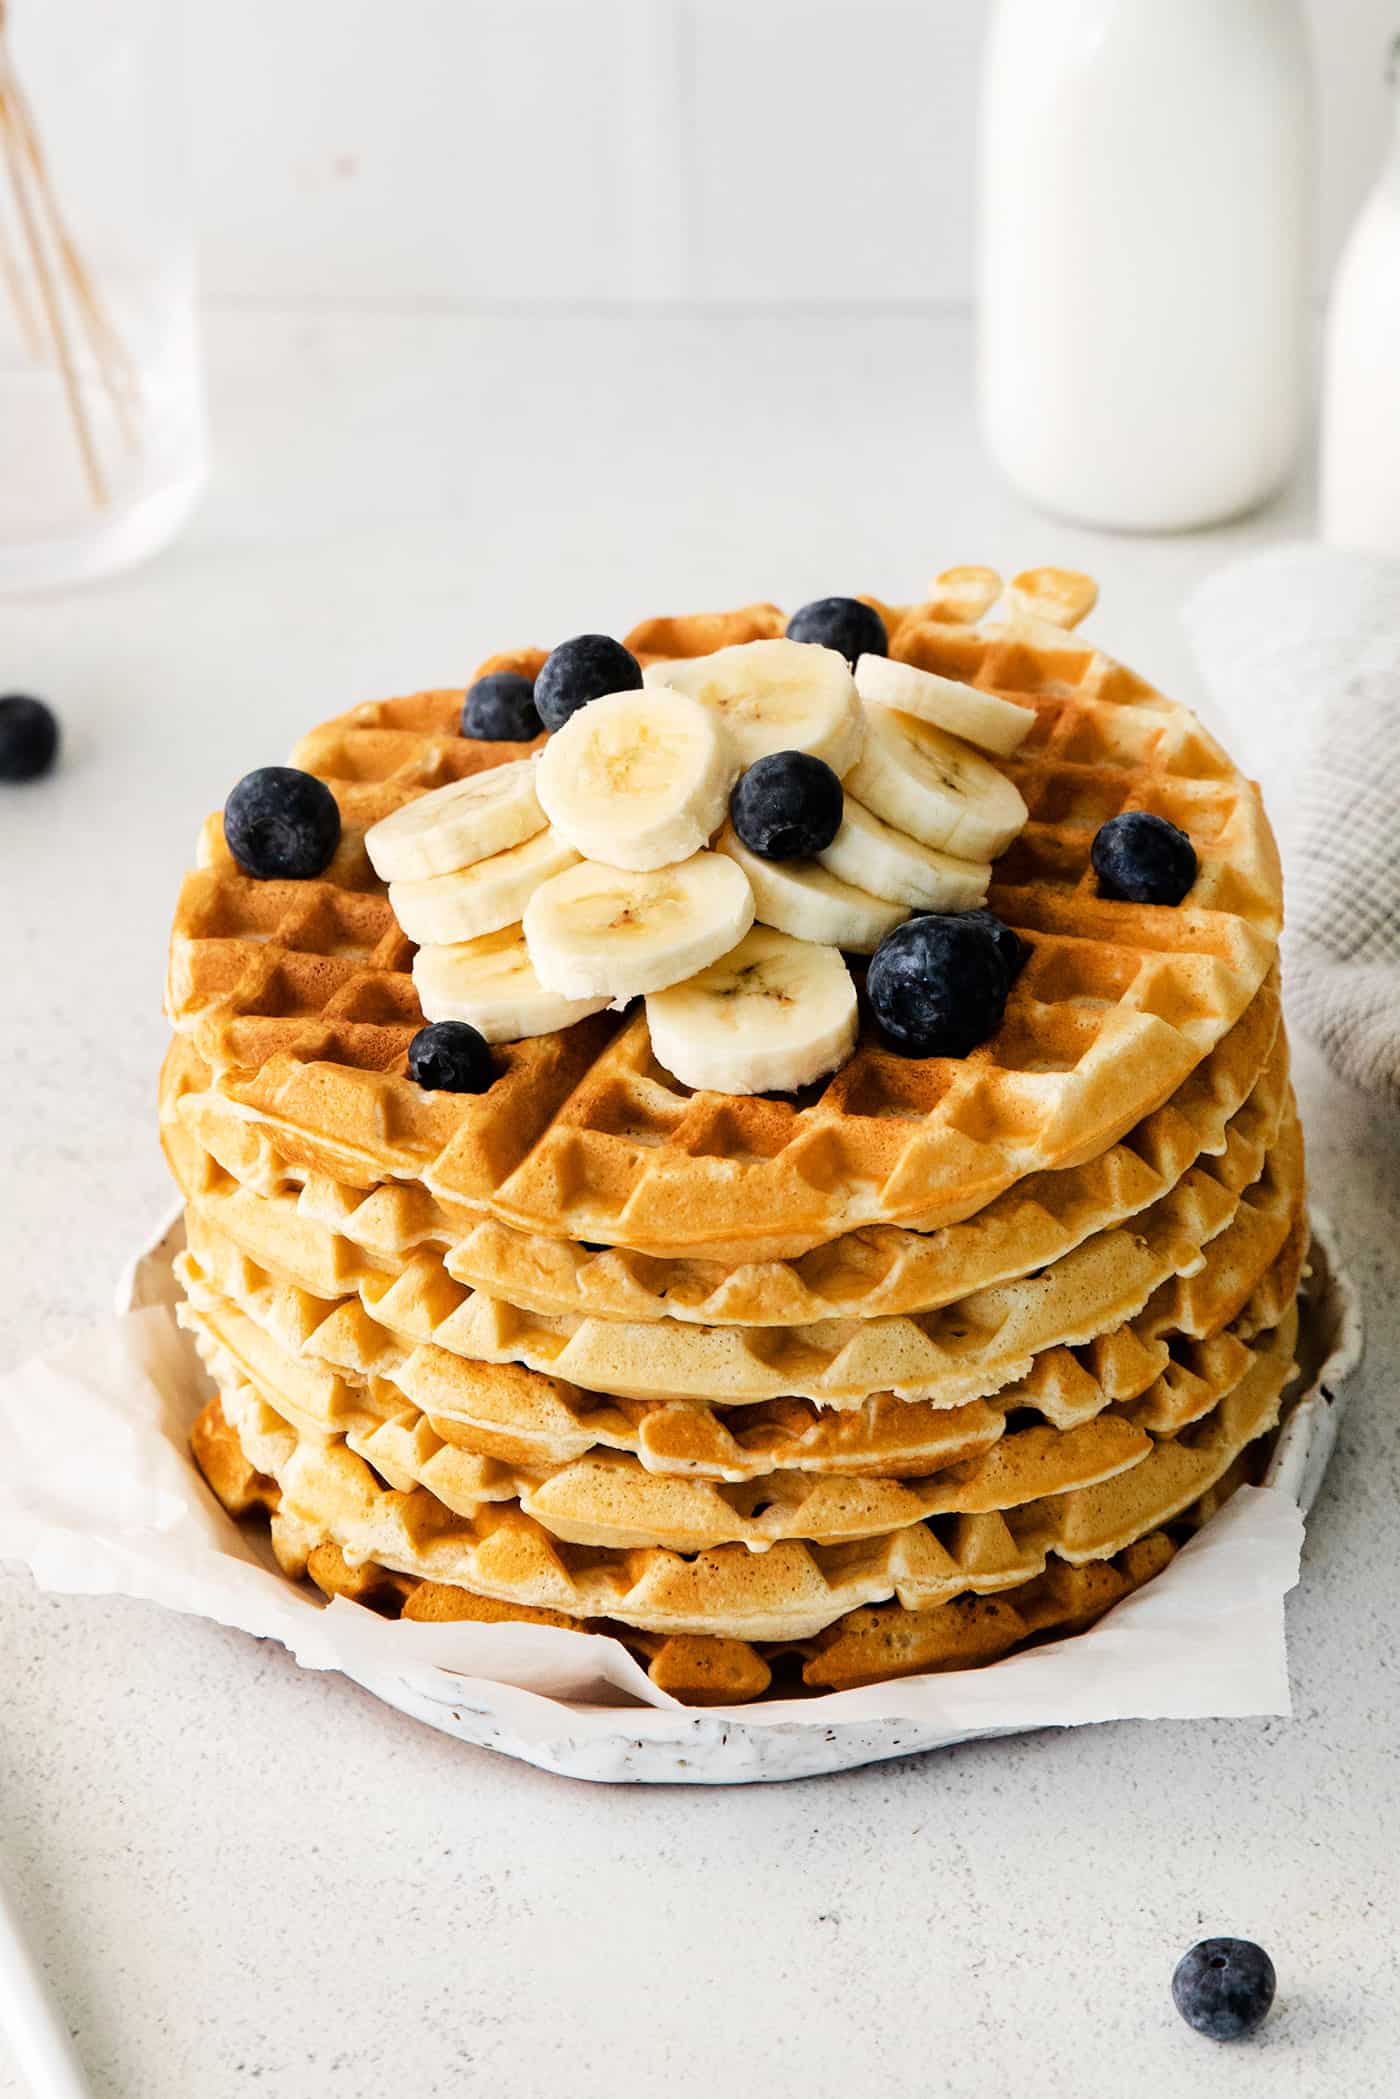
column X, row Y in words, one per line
column 843, row 624
column 500, row 708
column 1014, row 952
column 28, row 737
column 582, row 670
column 1224, row 1987
column 281, row 824
column 938, row 984
column 450, row 1057
column 787, row 805
column 1143, row 859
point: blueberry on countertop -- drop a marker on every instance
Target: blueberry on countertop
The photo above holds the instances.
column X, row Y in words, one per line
column 787, row 805
column 938, row 984
column 450, row 1057
column 281, row 824
column 1142, row 859
column 1224, row 1987
column 28, row 737
column 500, row 708
column 844, row 624
column 582, row 670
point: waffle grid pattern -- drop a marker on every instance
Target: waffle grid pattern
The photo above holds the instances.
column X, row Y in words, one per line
column 966, row 1351
column 336, row 1374
column 793, row 1590
column 881, row 1271
column 606, row 1498
column 865, row 1646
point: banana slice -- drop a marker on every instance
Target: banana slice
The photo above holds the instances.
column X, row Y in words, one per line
column 890, row 864
column 935, row 787
column 775, row 696
column 491, row 982
column 611, row 933
column 638, row 779
column 481, row 898
column 802, row 898
column 457, row 825
column 773, row 1015
column 992, row 724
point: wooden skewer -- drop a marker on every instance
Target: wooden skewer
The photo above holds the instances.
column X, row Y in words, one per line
column 115, row 366
column 49, row 300
column 58, row 277
column 20, row 295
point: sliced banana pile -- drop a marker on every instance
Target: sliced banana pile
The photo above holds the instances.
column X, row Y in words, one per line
column 610, row 868
column 775, row 696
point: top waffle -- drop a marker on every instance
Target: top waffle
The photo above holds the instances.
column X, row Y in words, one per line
column 330, row 1234
column 298, row 994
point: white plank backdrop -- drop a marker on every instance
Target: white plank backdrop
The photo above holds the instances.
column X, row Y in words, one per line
column 485, row 151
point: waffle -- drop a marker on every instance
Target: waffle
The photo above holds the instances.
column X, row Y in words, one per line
column 327, row 1380
column 886, row 1270
column 298, row 996
column 934, row 1359
column 1232, row 1102
column 792, row 1590
column 606, row 1498
column 865, row 1646
column 967, row 1351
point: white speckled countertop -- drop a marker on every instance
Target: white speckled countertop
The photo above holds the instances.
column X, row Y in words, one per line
column 247, row 1879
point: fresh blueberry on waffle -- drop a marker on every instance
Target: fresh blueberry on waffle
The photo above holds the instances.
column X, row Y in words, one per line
column 282, row 824
column 847, row 625
column 500, row 708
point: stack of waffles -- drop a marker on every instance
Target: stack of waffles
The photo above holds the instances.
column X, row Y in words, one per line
column 937, row 1358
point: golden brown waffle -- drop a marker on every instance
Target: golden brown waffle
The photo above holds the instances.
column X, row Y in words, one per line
column 1232, row 1103
column 326, row 1382
column 298, row 996
column 863, row 1647
column 607, row 1498
column 875, row 1644
column 792, row 1590
column 967, row 1351
column 887, row 1270
column 937, row 1358
column 866, row 1646
column 529, row 1417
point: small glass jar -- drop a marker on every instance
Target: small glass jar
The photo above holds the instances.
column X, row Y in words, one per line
column 103, row 448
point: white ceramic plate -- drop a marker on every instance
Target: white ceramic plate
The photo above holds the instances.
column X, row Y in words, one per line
column 671, row 1747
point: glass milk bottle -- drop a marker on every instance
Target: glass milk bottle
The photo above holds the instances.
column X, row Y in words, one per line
column 1361, row 405
column 1145, row 210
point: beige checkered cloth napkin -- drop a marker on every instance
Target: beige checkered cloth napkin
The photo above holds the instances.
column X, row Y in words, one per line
column 1301, row 650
